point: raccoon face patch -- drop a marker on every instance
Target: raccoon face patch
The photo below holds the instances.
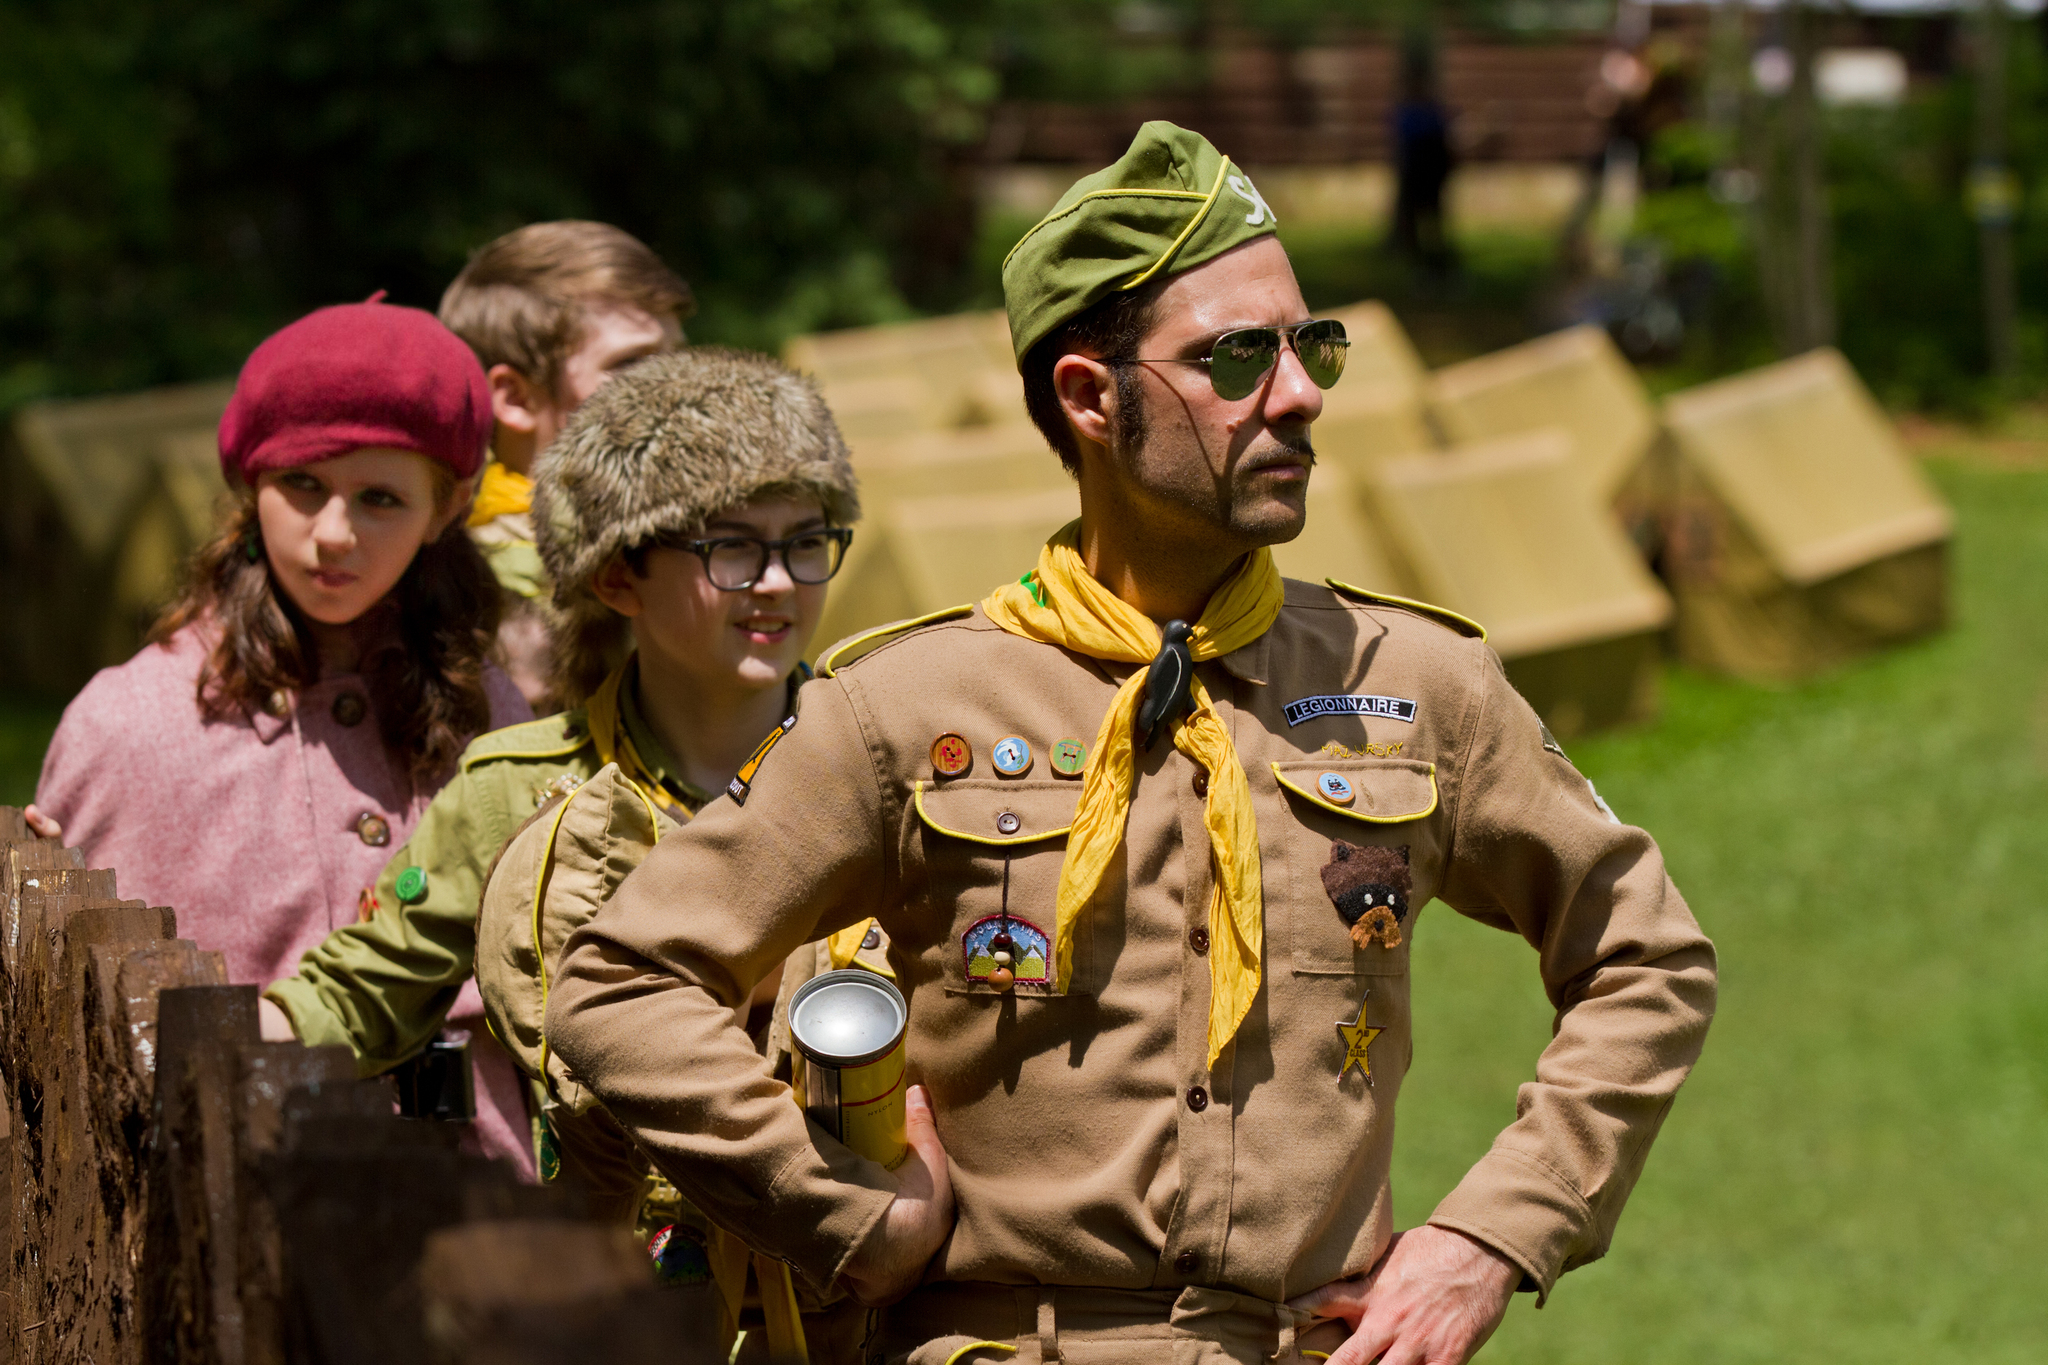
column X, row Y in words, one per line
column 1370, row 888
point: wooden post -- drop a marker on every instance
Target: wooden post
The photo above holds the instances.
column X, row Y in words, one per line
column 1814, row 281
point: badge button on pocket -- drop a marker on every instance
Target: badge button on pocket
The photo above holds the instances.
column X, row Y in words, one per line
column 1335, row 788
column 1011, row 756
column 951, row 755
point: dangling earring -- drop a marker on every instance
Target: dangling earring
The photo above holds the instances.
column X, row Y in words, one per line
column 252, row 543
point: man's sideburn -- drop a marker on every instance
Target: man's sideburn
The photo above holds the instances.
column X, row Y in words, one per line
column 1131, row 428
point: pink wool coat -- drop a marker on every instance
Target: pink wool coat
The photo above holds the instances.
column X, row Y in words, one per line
column 252, row 830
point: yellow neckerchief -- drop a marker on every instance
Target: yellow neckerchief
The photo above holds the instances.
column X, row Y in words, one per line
column 1061, row 603
column 503, row 493
column 614, row 745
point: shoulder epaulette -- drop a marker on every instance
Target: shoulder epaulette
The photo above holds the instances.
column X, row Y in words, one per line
column 1464, row 625
column 844, row 652
column 548, row 737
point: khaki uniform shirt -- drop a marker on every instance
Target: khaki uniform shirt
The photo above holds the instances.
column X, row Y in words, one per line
column 1089, row 1144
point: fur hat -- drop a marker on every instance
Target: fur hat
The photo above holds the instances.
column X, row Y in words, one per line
column 666, row 445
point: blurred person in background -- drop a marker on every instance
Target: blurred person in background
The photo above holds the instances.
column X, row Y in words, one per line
column 1423, row 162
column 552, row 310
column 674, row 667
column 299, row 705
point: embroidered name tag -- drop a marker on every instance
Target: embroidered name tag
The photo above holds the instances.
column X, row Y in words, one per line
column 1308, row 708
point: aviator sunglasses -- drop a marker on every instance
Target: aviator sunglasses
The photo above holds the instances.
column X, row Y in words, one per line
column 1239, row 361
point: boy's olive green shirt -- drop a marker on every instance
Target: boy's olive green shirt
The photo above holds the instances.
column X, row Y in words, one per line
column 1089, row 1143
column 383, row 986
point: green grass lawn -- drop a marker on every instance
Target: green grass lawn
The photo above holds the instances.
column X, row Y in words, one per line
column 1856, row 1170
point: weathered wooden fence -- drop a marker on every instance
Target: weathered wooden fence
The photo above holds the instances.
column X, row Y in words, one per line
column 172, row 1188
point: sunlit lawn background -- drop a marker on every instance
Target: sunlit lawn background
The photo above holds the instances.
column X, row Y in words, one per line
column 1857, row 1171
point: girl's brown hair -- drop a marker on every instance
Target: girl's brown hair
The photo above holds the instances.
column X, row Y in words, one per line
column 426, row 643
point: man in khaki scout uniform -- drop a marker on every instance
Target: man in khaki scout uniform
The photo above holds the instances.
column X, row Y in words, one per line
column 1154, row 928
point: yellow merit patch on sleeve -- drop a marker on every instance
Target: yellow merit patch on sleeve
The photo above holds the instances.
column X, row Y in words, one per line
column 743, row 780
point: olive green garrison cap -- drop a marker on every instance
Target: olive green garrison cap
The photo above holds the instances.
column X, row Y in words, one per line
column 1169, row 203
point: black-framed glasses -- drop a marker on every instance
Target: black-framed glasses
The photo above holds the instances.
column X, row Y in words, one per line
column 1239, row 361
column 733, row 563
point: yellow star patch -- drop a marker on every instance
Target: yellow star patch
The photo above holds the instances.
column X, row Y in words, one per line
column 1357, row 1036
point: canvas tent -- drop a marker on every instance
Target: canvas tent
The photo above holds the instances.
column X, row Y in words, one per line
column 1506, row 532
column 1000, row 459
column 934, row 374
column 1376, row 410
column 1575, row 380
column 104, row 500
column 915, row 555
column 1801, row 533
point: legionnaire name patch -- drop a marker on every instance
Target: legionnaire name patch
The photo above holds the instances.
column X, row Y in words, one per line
column 1308, row 708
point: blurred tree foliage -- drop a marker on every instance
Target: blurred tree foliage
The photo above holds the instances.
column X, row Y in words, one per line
column 1907, row 271
column 177, row 178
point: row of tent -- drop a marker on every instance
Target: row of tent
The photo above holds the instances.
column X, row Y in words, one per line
column 1768, row 525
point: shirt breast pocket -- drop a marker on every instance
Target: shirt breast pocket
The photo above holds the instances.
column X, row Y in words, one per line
column 993, row 851
column 1357, row 855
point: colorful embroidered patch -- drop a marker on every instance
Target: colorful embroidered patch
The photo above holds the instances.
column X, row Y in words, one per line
column 1028, row 950
column 1357, row 1036
column 1308, row 708
column 1370, row 888
column 743, row 780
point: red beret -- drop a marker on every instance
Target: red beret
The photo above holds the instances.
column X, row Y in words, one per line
column 356, row 375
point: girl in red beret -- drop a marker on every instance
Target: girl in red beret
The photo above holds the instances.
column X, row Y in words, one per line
column 256, row 763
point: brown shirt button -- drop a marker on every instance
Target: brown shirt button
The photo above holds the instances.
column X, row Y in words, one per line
column 1198, row 1098
column 1198, row 939
column 373, row 830
column 1187, row 1263
column 1201, row 783
column 350, row 708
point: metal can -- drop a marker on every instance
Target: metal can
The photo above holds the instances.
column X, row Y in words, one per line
column 848, row 1026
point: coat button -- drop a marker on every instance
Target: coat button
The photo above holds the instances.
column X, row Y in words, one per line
column 1198, row 939
column 1198, row 1098
column 350, row 708
column 1201, row 783
column 373, row 830
column 1187, row 1263
column 1006, row 823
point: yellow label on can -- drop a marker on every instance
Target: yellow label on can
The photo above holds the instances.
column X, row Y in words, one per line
column 871, row 1114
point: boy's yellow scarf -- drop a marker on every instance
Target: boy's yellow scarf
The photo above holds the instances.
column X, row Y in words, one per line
column 1060, row 603
column 502, row 493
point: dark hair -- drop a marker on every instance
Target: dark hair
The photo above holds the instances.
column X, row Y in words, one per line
column 1109, row 327
column 425, row 670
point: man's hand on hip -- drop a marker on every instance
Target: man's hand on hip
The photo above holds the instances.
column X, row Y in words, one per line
column 891, row 1261
column 1433, row 1299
